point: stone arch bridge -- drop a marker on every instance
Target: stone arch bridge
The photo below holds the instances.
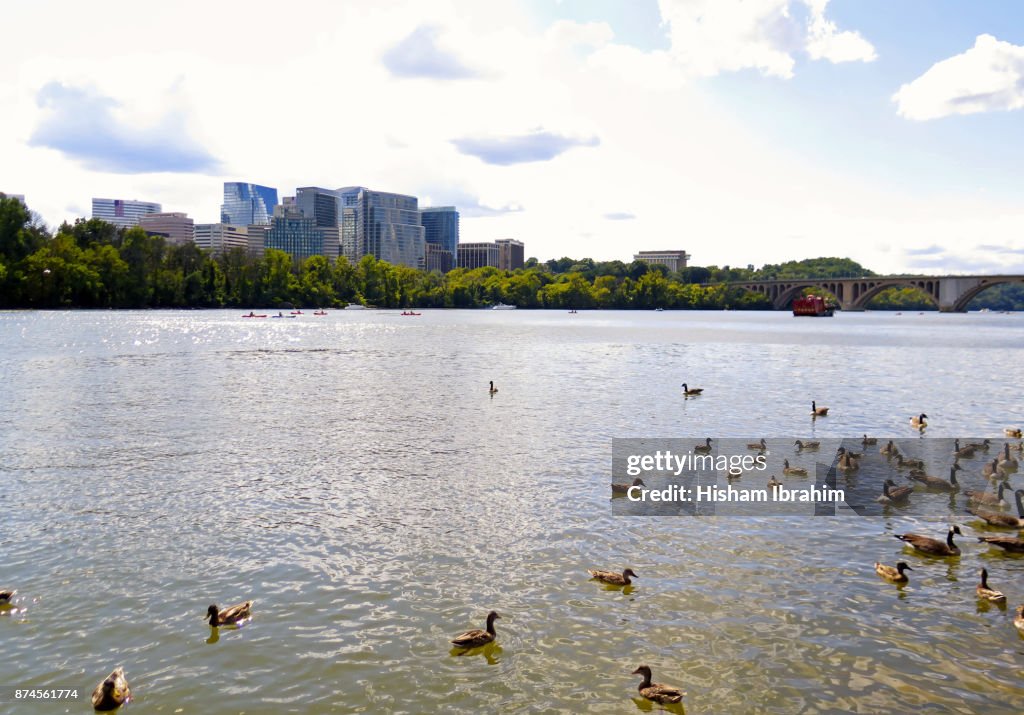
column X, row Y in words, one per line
column 950, row 293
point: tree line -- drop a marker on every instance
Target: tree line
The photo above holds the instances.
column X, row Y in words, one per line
column 94, row 264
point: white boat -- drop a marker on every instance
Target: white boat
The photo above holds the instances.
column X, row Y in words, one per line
column 355, row 306
column 502, row 306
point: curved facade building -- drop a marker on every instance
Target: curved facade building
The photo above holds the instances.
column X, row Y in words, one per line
column 246, row 204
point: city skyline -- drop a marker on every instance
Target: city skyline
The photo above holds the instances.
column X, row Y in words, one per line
column 768, row 131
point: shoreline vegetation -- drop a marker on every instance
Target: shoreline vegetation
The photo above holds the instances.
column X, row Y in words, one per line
column 94, row 264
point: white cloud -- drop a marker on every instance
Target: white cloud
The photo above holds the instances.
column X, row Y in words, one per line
column 714, row 36
column 988, row 77
column 826, row 42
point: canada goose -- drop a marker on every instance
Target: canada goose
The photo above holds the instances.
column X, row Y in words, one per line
column 989, row 594
column 909, row 463
column 613, row 578
column 1007, row 463
column 965, row 452
column 112, row 692
column 703, row 448
column 1015, row 433
column 889, row 449
column 6, row 595
column 996, row 518
column 937, row 482
column 762, row 445
column 818, row 411
column 477, row 637
column 1007, row 543
column 692, row 392
column 657, row 692
column 919, row 422
column 792, row 471
column 983, row 445
column 493, row 388
column 624, row 488
column 991, row 469
column 1019, row 447
column 801, row 446
column 988, row 498
column 869, row 440
column 847, row 462
column 1018, row 620
column 895, row 575
column 230, row 616
column 774, row 483
column 894, row 494
column 928, row 545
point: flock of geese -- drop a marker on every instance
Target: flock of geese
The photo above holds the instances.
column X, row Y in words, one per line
column 983, row 504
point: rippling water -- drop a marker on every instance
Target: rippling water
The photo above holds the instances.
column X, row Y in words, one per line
column 352, row 475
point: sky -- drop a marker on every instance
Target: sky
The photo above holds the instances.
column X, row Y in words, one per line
column 742, row 131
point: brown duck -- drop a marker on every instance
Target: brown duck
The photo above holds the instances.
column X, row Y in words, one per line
column 112, row 692
column 610, row 577
column 230, row 615
column 477, row 637
column 658, row 692
column 624, row 488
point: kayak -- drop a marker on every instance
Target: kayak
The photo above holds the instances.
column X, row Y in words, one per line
column 322, row 312
column 254, row 316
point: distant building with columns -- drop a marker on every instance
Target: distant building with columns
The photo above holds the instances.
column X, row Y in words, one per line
column 673, row 260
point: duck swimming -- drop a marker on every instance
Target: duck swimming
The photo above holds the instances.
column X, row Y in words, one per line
column 230, row 615
column 657, row 692
column 624, row 488
column 613, row 578
column 112, row 692
column 895, row 575
column 989, row 594
column 477, row 637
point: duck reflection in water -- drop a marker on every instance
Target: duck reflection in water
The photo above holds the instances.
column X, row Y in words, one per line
column 491, row 652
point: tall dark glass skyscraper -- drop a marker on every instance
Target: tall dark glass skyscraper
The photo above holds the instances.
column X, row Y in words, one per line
column 441, row 226
column 246, row 204
column 381, row 224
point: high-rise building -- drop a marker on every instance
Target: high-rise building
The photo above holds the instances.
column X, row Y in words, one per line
column 436, row 258
column 441, row 227
column 19, row 197
column 176, row 227
column 673, row 260
column 246, row 204
column 478, row 255
column 219, row 238
column 510, row 254
column 324, row 207
column 293, row 233
column 257, row 238
column 384, row 225
column 122, row 212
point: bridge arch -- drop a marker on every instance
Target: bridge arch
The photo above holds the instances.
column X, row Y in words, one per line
column 865, row 291
column 786, row 292
column 971, row 293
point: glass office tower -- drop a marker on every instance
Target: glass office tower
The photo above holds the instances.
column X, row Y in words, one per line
column 246, row 204
column 441, row 227
column 381, row 224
